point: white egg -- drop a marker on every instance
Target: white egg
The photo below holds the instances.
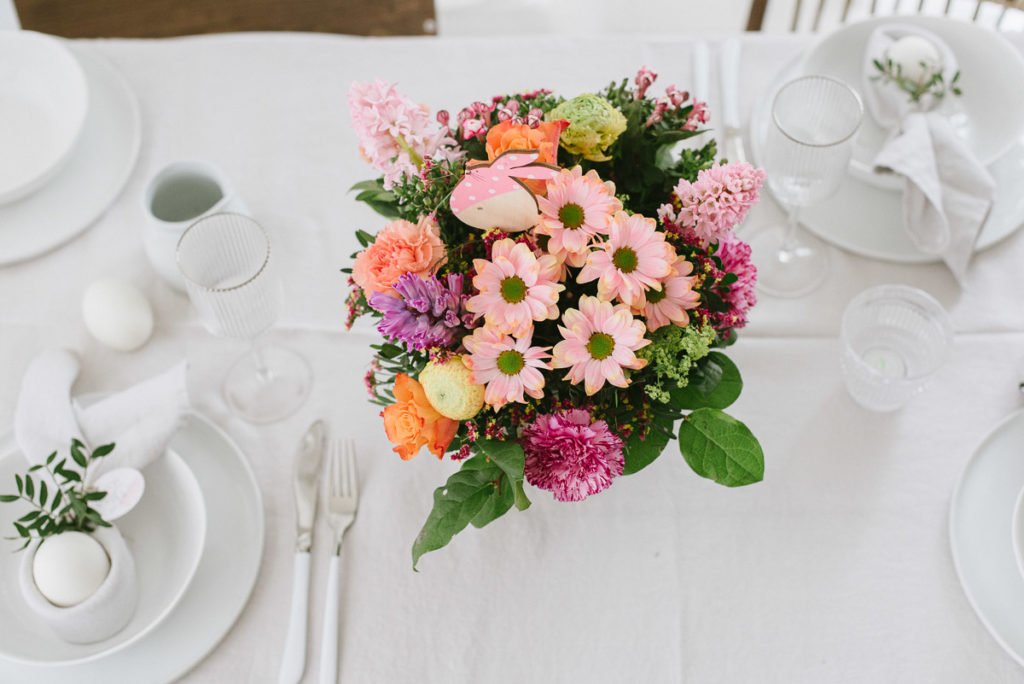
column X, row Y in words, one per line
column 117, row 314
column 69, row 568
column 917, row 57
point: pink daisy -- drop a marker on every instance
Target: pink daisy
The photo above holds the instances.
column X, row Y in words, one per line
column 571, row 455
column 507, row 366
column 635, row 257
column 669, row 304
column 577, row 208
column 600, row 339
column 516, row 288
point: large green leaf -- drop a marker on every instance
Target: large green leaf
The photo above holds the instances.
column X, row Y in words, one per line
column 640, row 453
column 714, row 383
column 721, row 448
column 458, row 502
column 510, row 458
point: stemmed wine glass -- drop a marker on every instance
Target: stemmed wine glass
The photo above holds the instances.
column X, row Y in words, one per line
column 807, row 150
column 232, row 281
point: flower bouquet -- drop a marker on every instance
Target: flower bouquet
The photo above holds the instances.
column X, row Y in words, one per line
column 554, row 288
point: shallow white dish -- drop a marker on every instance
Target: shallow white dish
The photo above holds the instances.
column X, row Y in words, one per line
column 867, row 220
column 92, row 177
column 989, row 115
column 1017, row 532
column 165, row 533
column 980, row 523
column 219, row 590
column 44, row 99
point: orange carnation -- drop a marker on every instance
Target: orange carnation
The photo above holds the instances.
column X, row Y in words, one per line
column 517, row 136
column 401, row 247
column 412, row 422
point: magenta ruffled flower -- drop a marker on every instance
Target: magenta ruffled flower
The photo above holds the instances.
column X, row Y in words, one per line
column 742, row 295
column 426, row 312
column 716, row 203
column 570, row 455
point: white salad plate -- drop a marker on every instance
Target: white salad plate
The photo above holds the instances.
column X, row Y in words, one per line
column 867, row 220
column 980, row 526
column 989, row 115
column 217, row 594
column 165, row 534
column 91, row 178
column 44, row 99
column 1017, row 532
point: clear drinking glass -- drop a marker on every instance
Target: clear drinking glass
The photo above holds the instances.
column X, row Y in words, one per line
column 807, row 150
column 232, row 281
column 893, row 339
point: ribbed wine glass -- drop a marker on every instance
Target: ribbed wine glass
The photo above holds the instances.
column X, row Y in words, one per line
column 807, row 151
column 232, row 280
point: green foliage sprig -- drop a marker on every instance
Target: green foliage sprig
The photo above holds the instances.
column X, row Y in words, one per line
column 64, row 505
column 934, row 86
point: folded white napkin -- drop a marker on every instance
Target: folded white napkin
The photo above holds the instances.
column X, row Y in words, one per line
column 947, row 192
column 141, row 419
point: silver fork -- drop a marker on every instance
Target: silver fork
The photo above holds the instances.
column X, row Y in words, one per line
column 342, row 502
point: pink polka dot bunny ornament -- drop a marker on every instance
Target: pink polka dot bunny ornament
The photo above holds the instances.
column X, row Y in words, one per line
column 493, row 194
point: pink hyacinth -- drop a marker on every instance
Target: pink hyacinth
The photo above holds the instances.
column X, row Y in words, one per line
column 395, row 134
column 644, row 79
column 571, row 455
column 716, row 203
column 698, row 115
column 742, row 295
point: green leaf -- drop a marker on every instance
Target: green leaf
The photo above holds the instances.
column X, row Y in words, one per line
column 640, row 453
column 51, row 457
column 76, row 454
column 9, row 498
column 721, row 448
column 365, row 239
column 42, row 493
column 374, row 184
column 102, row 451
column 22, row 530
column 95, row 496
column 31, row 515
column 56, row 500
column 390, row 351
column 21, row 484
column 714, row 383
column 70, row 475
column 30, row 487
column 496, row 505
column 456, row 503
column 385, row 209
column 510, row 458
column 36, row 467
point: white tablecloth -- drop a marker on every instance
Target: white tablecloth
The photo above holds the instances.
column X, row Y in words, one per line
column 835, row 568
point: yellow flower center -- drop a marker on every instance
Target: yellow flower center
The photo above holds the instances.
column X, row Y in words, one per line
column 510, row 362
column 513, row 289
column 601, row 346
column 624, row 259
column 571, row 216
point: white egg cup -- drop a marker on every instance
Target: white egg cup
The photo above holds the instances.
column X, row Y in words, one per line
column 103, row 614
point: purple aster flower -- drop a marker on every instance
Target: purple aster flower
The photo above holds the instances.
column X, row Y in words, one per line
column 571, row 456
column 426, row 313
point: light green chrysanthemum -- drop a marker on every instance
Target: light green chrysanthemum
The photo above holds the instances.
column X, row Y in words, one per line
column 594, row 124
column 671, row 355
column 450, row 390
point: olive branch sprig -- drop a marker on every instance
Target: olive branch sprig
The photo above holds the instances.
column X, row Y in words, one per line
column 935, row 85
column 64, row 505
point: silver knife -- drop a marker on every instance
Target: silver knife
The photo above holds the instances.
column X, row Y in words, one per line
column 732, row 124
column 308, row 459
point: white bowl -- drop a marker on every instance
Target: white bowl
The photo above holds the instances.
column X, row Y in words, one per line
column 990, row 114
column 166, row 533
column 44, row 99
column 1017, row 531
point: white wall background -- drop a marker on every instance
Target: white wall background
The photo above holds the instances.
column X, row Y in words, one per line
column 8, row 17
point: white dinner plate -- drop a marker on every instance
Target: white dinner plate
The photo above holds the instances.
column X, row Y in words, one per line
column 1017, row 532
column 89, row 180
column 44, row 99
column 989, row 115
column 219, row 590
column 165, row 534
column 980, row 523
column 867, row 220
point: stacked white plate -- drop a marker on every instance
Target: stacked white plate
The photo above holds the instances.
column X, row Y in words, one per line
column 69, row 138
column 197, row 538
column 866, row 215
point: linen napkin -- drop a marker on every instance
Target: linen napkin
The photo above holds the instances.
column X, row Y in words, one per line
column 141, row 419
column 947, row 192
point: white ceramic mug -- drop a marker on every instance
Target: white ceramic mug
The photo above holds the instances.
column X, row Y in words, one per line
column 179, row 195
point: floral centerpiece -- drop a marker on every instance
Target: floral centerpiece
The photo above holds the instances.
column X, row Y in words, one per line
column 555, row 288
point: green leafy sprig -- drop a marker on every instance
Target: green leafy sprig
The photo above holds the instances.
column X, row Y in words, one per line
column 934, row 86
column 63, row 505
